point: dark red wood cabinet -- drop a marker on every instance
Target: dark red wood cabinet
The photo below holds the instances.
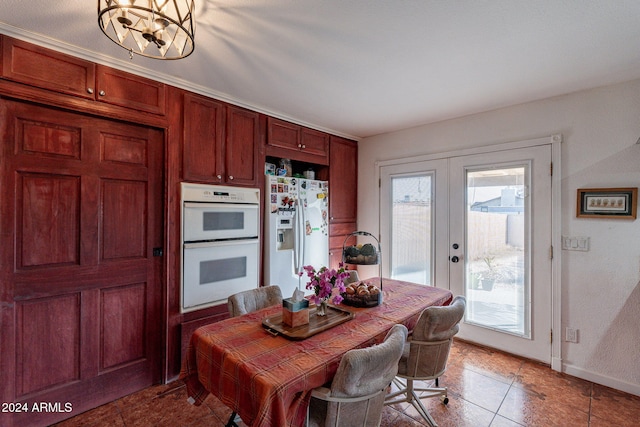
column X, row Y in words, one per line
column 36, row 66
column 295, row 142
column 343, row 185
column 221, row 142
column 242, row 147
column 203, row 134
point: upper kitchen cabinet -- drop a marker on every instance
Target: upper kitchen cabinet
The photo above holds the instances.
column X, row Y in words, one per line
column 343, row 180
column 221, row 142
column 126, row 90
column 203, row 138
column 242, row 146
column 44, row 68
column 295, row 142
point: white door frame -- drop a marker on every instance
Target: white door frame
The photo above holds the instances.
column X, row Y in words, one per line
column 556, row 285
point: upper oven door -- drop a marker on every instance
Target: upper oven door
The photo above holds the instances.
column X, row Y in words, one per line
column 215, row 221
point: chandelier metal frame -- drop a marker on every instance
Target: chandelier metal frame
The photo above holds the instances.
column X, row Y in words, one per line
column 159, row 29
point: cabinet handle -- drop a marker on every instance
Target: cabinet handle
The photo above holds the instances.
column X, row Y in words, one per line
column 299, row 145
column 304, row 146
column 219, row 176
column 102, row 93
column 230, row 177
column 89, row 90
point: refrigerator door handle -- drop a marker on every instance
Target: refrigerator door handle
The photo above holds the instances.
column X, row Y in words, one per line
column 295, row 244
column 299, row 251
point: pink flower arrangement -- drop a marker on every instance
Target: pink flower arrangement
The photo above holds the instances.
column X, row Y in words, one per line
column 324, row 281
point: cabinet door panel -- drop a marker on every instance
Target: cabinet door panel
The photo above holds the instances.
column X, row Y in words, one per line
column 283, row 134
column 36, row 66
column 203, row 130
column 126, row 90
column 314, row 142
column 241, row 146
column 343, row 180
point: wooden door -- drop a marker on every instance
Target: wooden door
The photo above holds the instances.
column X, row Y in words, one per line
column 81, row 213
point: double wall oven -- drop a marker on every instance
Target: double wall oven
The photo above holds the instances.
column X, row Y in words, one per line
column 220, row 243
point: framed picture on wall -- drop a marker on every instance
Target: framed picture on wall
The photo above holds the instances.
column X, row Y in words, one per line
column 607, row 203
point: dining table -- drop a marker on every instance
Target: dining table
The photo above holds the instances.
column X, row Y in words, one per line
column 267, row 378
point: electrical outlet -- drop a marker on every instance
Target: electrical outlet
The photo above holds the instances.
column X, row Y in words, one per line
column 571, row 335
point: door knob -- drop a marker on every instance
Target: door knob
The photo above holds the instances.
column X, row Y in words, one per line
column 455, row 259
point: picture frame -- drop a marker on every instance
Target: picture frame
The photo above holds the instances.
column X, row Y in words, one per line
column 607, row 203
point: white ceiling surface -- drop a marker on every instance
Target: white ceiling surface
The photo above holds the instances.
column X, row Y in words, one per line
column 364, row 67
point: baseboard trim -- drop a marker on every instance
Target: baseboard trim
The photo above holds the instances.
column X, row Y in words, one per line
column 601, row 379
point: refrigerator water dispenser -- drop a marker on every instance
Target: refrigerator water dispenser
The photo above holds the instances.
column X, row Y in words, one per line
column 285, row 234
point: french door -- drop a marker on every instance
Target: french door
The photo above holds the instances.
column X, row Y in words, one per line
column 480, row 225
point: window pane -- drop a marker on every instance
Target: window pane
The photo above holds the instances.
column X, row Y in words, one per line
column 411, row 229
column 496, row 280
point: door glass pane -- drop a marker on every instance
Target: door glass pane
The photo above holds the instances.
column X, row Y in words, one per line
column 496, row 279
column 411, row 229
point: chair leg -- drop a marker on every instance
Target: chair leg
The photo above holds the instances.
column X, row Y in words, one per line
column 408, row 393
column 232, row 420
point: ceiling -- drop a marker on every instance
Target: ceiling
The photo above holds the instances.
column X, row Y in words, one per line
column 359, row 68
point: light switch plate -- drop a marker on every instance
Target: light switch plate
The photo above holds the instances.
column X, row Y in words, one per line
column 573, row 243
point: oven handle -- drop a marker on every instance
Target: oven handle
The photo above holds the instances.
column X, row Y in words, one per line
column 219, row 243
column 222, row 205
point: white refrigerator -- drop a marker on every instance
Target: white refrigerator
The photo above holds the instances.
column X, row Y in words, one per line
column 296, row 230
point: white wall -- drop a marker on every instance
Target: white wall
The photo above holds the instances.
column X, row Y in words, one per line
column 600, row 288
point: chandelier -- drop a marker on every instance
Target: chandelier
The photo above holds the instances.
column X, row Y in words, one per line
column 161, row 29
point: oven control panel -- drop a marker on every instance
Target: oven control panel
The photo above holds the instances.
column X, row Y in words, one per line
column 219, row 194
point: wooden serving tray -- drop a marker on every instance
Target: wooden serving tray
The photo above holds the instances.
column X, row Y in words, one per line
column 317, row 324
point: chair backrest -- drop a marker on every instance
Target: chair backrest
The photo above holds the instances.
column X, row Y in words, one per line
column 254, row 299
column 365, row 372
column 431, row 339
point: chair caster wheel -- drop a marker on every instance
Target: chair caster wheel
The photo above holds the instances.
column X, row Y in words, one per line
column 444, row 400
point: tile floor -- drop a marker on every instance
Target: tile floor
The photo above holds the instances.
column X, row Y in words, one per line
column 486, row 388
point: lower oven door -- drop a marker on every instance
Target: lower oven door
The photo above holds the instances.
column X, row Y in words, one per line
column 212, row 271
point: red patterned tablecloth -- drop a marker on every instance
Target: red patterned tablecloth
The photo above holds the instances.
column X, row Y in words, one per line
column 268, row 379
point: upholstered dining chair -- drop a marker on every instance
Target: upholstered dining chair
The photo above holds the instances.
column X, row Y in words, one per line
column 357, row 391
column 425, row 356
column 246, row 302
column 254, row 299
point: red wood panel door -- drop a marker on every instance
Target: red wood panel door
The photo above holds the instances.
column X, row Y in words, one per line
column 343, row 180
column 241, row 146
column 203, row 139
column 80, row 296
